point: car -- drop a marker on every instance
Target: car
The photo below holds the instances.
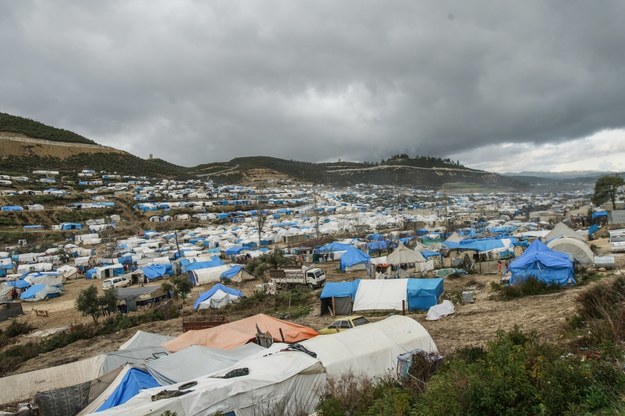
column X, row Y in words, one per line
column 119, row 281
column 342, row 324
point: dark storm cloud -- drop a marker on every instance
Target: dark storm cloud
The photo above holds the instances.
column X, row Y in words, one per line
column 194, row 82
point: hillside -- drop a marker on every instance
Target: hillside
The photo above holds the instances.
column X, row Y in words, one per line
column 37, row 130
column 27, row 145
column 421, row 171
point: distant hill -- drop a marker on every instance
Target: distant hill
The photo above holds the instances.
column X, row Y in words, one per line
column 27, row 145
column 37, row 130
column 431, row 173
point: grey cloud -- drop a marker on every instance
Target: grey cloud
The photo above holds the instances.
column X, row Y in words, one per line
column 195, row 82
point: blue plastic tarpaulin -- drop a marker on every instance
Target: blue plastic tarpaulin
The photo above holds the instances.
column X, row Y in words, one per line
column 231, row 272
column 203, row 265
column 543, row 264
column 424, row 293
column 231, row 251
column 340, row 289
column 353, row 257
column 213, row 290
column 133, row 382
column 157, row 270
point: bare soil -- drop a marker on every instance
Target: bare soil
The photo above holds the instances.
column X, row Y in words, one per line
column 15, row 144
column 472, row 324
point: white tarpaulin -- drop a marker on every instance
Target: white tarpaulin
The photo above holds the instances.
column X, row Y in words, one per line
column 283, row 383
column 438, row 311
column 24, row 386
column 381, row 295
column 208, row 275
column 370, row 349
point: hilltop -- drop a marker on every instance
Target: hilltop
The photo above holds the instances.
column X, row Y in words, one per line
column 27, row 145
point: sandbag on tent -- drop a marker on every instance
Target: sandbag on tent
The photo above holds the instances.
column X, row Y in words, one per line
column 544, row 264
column 372, row 349
column 381, row 295
column 237, row 333
column 338, row 297
column 424, row 293
column 197, row 361
column 354, row 259
column 132, row 383
column 576, row 249
column 217, row 297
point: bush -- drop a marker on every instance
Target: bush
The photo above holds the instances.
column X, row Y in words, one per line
column 519, row 375
column 529, row 287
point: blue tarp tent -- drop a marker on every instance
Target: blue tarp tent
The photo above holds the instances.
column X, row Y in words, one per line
column 203, row 265
column 429, row 253
column 231, row 272
column 234, row 250
column 133, row 382
column 47, row 291
column 343, row 294
column 66, row 226
column 353, row 257
column 424, row 293
column 209, row 293
column 378, row 245
column 157, row 270
column 543, row 264
column 20, row 284
column 332, row 247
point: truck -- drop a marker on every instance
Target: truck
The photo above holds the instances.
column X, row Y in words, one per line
column 312, row 277
column 617, row 240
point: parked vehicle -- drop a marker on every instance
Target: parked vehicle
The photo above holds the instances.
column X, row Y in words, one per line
column 118, row 281
column 617, row 240
column 313, row 277
column 343, row 324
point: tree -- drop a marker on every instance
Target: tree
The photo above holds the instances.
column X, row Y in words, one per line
column 606, row 188
column 182, row 286
column 89, row 304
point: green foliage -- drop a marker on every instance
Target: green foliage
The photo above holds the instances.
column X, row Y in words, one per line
column 273, row 260
column 15, row 328
column 529, row 287
column 12, row 357
column 181, row 286
column 90, row 304
column 519, row 375
column 606, row 188
column 39, row 130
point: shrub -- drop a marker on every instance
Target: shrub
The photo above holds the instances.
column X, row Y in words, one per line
column 520, row 375
column 529, row 287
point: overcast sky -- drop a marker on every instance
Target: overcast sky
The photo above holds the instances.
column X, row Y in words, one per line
column 502, row 86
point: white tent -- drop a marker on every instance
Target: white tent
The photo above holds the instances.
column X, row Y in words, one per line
column 285, row 382
column 381, row 295
column 370, row 349
column 208, row 275
column 404, row 255
column 562, row 230
column 575, row 248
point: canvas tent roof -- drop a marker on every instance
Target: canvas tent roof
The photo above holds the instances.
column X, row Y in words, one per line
column 219, row 291
column 143, row 339
column 562, row 230
column 353, row 257
column 370, row 349
column 381, row 295
column 286, row 380
column 237, row 333
column 404, row 255
column 575, row 248
column 197, row 361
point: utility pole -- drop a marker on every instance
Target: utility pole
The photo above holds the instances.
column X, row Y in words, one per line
column 316, row 213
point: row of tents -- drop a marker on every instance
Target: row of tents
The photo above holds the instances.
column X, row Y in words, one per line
column 219, row 370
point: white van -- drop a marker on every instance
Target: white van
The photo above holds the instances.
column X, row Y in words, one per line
column 119, row 281
column 617, row 240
